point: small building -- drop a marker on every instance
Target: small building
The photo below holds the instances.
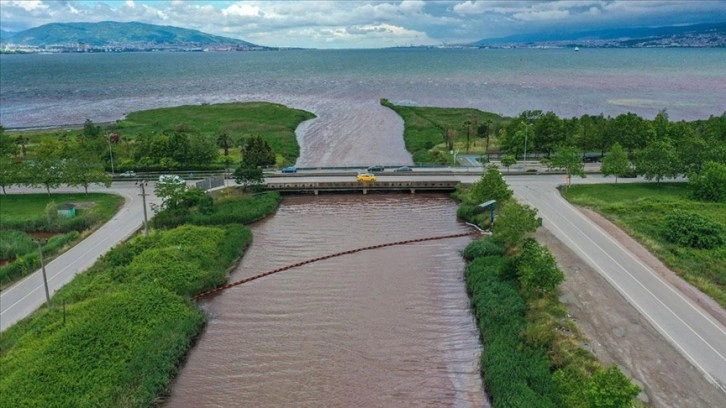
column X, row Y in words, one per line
column 66, row 210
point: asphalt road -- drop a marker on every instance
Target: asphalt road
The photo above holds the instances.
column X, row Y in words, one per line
column 21, row 299
column 696, row 334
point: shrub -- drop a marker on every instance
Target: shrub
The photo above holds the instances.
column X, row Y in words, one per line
column 14, row 243
column 710, row 185
column 692, row 230
column 481, row 248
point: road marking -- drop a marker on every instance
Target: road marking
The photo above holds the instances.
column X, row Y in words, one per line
column 636, row 304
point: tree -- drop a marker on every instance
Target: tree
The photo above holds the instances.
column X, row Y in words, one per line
column 256, row 152
column 48, row 172
column 9, row 172
column 514, row 223
column 508, row 160
column 710, row 184
column 171, row 193
column 491, row 186
column 202, row 150
column 8, row 147
column 225, row 142
column 616, row 163
column 248, row 176
column 658, row 160
column 549, row 131
column 610, row 388
column 568, row 159
column 537, row 269
column 83, row 172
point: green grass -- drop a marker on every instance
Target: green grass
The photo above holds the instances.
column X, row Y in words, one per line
column 641, row 209
column 273, row 122
column 423, row 129
column 20, row 208
column 127, row 323
column 25, row 213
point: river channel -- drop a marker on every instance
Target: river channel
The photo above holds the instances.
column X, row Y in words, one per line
column 389, row 327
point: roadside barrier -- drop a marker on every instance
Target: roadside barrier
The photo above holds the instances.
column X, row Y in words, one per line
column 352, row 251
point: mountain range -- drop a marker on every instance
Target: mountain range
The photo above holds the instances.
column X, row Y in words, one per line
column 712, row 34
column 109, row 33
column 141, row 36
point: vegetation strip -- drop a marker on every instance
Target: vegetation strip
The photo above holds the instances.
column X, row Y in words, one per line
column 532, row 355
column 126, row 323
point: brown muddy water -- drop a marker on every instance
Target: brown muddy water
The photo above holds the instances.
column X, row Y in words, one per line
column 389, row 327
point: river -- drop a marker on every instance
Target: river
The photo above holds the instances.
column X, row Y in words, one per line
column 389, row 327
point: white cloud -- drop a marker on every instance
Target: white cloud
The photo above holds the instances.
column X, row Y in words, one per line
column 28, row 5
column 318, row 23
column 242, row 10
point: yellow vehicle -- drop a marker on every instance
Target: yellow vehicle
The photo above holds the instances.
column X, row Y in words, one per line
column 366, row 177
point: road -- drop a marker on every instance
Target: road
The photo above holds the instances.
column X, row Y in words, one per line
column 21, row 299
column 695, row 333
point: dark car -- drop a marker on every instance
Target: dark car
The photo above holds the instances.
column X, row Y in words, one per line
column 291, row 169
column 375, row 168
column 404, row 168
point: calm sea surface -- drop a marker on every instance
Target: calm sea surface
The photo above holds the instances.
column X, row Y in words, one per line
column 343, row 87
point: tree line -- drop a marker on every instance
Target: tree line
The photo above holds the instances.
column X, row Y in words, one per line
column 85, row 157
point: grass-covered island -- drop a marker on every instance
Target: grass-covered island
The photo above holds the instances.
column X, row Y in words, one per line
column 118, row 332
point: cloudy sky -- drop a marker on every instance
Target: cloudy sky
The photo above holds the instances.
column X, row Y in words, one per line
column 366, row 24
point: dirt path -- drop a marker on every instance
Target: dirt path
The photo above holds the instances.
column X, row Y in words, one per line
column 620, row 335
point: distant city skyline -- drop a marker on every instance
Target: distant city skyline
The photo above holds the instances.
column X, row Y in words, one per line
column 366, row 24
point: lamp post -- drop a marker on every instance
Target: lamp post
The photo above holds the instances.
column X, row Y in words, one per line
column 142, row 184
column 42, row 267
column 110, row 153
column 526, row 132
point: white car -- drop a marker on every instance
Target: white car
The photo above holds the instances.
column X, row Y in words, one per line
column 171, row 179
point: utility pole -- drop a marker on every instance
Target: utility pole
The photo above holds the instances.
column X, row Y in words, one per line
column 45, row 278
column 110, row 153
column 142, row 184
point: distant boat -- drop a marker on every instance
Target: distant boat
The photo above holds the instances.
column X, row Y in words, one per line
column 577, row 49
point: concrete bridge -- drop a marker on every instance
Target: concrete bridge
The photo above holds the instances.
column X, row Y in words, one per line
column 316, row 187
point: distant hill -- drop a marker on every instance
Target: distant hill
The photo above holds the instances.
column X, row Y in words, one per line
column 110, row 32
column 5, row 35
column 624, row 37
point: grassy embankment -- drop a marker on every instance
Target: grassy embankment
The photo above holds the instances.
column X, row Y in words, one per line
column 426, row 128
column 642, row 210
column 128, row 322
column 532, row 355
column 273, row 122
column 21, row 215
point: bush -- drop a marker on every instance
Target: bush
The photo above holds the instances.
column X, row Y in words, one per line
column 710, row 185
column 481, row 248
column 14, row 243
column 692, row 230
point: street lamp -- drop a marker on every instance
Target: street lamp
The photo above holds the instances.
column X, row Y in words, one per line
column 42, row 267
column 142, row 184
column 110, row 153
column 526, row 132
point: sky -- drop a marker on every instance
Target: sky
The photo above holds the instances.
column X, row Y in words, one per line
column 366, row 24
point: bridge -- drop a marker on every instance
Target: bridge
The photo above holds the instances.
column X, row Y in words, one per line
column 316, row 187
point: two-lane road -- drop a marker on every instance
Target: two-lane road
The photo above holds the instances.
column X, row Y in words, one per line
column 695, row 333
column 24, row 297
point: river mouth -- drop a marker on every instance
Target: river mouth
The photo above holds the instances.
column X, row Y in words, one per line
column 384, row 327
